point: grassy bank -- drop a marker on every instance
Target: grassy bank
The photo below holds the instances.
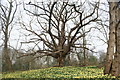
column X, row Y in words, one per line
column 60, row 72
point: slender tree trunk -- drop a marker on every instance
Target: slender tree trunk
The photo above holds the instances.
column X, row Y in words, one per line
column 48, row 61
column 67, row 60
column 84, row 50
column 78, row 56
column 84, row 53
column 111, row 42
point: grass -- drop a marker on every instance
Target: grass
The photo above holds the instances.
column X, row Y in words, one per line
column 60, row 72
column 0, row 75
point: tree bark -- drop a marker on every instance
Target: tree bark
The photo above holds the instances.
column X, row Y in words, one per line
column 61, row 61
column 111, row 42
column 116, row 62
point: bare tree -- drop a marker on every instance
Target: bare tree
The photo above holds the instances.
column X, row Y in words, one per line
column 7, row 16
column 60, row 24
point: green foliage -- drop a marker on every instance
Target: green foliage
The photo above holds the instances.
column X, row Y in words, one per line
column 60, row 72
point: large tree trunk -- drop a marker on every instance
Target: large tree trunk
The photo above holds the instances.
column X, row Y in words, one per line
column 61, row 61
column 116, row 62
column 111, row 42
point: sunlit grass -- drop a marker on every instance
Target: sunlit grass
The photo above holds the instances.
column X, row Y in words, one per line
column 0, row 75
column 60, row 72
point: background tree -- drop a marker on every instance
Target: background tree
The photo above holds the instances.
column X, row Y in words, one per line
column 101, row 61
column 7, row 16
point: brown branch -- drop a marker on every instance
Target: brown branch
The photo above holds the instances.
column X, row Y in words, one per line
column 12, row 18
column 47, row 43
column 84, row 48
column 39, row 7
column 77, row 29
column 49, row 30
column 82, row 35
